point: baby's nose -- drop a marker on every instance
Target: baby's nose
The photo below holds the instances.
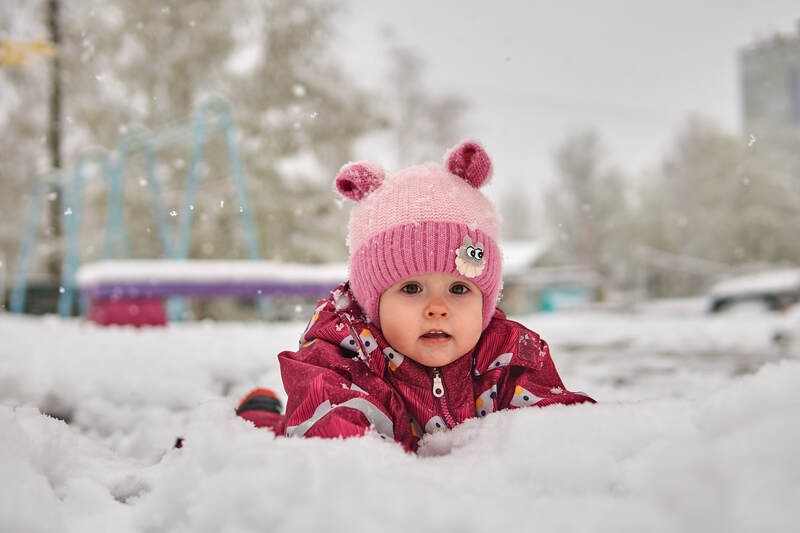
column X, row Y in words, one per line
column 436, row 308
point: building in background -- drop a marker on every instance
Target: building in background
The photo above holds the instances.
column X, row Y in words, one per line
column 529, row 287
column 770, row 83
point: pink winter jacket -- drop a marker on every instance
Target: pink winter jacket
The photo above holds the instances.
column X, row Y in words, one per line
column 344, row 380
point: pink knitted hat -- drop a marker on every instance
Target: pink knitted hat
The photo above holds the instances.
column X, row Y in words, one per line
column 426, row 218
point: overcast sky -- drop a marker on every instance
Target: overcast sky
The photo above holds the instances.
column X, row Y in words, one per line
column 536, row 70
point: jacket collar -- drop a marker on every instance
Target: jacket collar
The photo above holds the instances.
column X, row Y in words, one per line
column 339, row 320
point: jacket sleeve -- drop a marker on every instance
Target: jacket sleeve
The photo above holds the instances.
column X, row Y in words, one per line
column 323, row 400
column 534, row 381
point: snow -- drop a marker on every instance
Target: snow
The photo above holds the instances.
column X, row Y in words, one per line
column 695, row 430
column 134, row 270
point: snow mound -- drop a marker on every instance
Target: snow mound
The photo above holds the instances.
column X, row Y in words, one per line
column 689, row 443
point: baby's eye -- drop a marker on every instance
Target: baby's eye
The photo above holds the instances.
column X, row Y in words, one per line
column 411, row 288
column 459, row 288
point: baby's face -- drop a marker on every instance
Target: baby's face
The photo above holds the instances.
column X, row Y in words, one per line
column 432, row 318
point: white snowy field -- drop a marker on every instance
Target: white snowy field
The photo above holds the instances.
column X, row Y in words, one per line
column 696, row 429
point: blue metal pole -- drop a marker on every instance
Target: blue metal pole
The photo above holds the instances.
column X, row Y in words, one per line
column 181, row 250
column 157, row 203
column 142, row 141
column 199, row 132
column 18, row 292
column 240, row 181
column 72, row 208
column 227, row 125
column 116, row 240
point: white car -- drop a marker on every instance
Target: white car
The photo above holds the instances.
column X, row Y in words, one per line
column 774, row 290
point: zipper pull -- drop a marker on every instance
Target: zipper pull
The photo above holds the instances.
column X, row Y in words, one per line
column 438, row 386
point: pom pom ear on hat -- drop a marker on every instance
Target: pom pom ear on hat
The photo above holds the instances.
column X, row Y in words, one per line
column 357, row 180
column 468, row 160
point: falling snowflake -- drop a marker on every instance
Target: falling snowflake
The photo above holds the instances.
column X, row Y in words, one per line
column 68, row 212
column 173, row 213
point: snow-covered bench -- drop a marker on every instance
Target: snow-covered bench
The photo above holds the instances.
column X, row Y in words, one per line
column 134, row 291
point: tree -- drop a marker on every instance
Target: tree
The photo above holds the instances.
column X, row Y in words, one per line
column 589, row 210
column 304, row 106
column 23, row 116
column 721, row 200
column 422, row 123
column 518, row 216
column 718, row 202
column 769, row 199
column 150, row 63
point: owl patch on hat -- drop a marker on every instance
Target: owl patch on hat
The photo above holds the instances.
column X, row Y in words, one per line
column 469, row 258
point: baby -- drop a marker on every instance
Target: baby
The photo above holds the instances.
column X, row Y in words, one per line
column 413, row 343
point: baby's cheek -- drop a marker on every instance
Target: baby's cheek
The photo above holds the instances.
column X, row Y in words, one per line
column 396, row 335
column 474, row 329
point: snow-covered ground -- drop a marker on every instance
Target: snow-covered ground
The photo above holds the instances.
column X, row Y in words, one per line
column 696, row 429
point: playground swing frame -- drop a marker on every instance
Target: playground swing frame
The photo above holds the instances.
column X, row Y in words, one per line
column 113, row 171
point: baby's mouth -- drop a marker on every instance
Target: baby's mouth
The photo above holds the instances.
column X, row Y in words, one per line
column 436, row 334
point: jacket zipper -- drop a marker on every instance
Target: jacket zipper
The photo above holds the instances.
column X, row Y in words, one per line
column 438, row 393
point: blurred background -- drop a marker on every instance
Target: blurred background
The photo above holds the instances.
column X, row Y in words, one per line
column 642, row 150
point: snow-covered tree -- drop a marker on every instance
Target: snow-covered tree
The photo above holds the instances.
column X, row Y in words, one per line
column 24, row 93
column 422, row 123
column 305, row 114
column 150, row 64
column 718, row 201
column 588, row 208
column 770, row 199
column 722, row 199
